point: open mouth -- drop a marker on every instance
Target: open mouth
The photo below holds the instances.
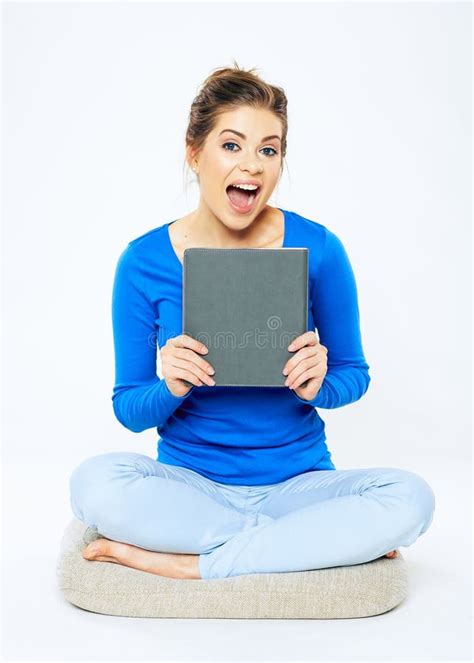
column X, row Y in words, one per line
column 242, row 200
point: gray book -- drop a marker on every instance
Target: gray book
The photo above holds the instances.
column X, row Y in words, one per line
column 246, row 306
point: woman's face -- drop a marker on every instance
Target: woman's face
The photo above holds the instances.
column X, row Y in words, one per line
column 245, row 146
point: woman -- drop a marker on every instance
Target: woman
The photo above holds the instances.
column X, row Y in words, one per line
column 243, row 481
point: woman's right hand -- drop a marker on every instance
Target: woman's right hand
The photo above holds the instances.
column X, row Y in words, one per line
column 181, row 364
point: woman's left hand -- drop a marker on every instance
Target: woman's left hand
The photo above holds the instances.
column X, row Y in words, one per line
column 309, row 363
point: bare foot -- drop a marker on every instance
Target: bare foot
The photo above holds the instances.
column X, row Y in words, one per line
column 170, row 565
column 392, row 554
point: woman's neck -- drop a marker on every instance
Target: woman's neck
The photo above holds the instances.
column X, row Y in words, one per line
column 206, row 230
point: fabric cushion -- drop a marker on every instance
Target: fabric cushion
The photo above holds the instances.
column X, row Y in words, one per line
column 361, row 590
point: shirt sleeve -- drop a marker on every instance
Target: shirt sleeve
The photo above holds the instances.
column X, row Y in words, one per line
column 140, row 399
column 336, row 314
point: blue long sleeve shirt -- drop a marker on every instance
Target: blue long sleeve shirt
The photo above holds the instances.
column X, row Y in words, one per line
column 233, row 435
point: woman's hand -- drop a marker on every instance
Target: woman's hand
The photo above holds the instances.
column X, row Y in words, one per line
column 308, row 364
column 181, row 365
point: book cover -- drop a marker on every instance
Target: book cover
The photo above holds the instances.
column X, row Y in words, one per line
column 246, row 306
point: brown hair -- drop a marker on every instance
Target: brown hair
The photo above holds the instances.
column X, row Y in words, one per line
column 228, row 88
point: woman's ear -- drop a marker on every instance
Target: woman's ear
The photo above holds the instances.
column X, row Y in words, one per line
column 191, row 158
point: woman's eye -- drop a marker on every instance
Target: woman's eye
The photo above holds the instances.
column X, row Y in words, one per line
column 271, row 148
column 265, row 148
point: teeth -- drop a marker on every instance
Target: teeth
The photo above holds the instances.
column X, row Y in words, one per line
column 246, row 187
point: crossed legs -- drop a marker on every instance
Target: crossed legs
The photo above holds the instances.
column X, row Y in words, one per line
column 174, row 522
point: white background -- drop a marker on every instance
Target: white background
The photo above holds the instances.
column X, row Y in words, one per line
column 95, row 104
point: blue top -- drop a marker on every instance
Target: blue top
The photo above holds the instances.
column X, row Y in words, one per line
column 233, row 435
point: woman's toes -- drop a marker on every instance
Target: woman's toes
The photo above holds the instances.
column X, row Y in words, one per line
column 392, row 553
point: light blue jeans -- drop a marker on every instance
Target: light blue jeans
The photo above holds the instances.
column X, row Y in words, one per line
column 315, row 520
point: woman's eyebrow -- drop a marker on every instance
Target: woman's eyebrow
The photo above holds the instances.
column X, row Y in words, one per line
column 244, row 136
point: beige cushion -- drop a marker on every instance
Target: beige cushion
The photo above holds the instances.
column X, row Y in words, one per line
column 361, row 590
